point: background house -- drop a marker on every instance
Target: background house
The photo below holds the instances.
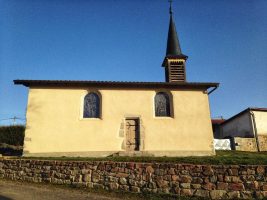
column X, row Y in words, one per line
column 216, row 128
column 248, row 129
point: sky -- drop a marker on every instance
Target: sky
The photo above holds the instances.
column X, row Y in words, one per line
column 125, row 40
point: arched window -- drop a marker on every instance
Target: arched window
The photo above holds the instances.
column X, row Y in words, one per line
column 91, row 106
column 162, row 104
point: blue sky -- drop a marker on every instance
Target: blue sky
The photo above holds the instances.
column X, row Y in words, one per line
column 125, row 40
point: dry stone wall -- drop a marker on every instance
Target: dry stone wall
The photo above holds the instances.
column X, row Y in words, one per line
column 208, row 181
column 250, row 144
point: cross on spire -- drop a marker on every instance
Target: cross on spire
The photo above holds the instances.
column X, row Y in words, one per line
column 173, row 45
column 170, row 10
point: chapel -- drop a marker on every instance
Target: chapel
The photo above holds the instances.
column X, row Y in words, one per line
column 105, row 118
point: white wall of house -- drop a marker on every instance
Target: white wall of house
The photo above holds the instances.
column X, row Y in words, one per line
column 261, row 122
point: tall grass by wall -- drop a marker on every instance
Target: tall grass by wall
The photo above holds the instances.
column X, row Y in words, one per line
column 12, row 135
column 11, row 140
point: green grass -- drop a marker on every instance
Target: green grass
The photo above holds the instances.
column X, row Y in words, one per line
column 222, row 157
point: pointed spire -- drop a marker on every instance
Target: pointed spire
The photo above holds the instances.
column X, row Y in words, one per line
column 174, row 61
column 173, row 45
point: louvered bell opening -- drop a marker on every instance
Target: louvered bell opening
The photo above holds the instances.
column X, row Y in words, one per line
column 176, row 71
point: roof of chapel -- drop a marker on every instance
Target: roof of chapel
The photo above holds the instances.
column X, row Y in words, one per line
column 112, row 84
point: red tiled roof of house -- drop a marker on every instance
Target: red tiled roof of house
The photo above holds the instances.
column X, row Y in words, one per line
column 217, row 121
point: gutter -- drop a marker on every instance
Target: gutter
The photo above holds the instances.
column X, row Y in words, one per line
column 215, row 87
column 255, row 130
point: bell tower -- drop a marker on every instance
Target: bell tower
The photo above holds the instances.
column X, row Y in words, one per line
column 174, row 61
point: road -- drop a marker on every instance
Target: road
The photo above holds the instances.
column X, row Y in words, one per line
column 26, row 191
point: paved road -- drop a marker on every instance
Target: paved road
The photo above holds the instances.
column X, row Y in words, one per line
column 25, row 191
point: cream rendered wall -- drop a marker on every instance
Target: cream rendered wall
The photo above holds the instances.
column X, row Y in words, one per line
column 261, row 122
column 55, row 124
column 241, row 126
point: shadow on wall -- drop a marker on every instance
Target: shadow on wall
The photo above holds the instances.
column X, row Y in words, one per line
column 5, row 198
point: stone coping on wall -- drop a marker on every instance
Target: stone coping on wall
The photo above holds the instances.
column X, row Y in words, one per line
column 208, row 181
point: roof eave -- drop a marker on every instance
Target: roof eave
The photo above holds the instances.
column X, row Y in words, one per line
column 112, row 84
column 244, row 111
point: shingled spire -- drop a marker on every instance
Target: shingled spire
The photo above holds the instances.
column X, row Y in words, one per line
column 173, row 46
column 174, row 61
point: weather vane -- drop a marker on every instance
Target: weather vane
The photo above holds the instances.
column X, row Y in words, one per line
column 170, row 6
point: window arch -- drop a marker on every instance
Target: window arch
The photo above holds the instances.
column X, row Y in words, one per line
column 162, row 105
column 91, row 105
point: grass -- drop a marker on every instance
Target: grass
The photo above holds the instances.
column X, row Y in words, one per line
column 221, row 158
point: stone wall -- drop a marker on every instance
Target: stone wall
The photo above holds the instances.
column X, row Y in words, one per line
column 208, row 181
column 262, row 142
column 250, row 144
column 245, row 144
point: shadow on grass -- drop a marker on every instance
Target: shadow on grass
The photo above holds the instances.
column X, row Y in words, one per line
column 10, row 152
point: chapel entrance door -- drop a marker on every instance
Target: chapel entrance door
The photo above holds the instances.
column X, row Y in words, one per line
column 132, row 135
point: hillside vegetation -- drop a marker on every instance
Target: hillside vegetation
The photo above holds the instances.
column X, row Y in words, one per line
column 11, row 140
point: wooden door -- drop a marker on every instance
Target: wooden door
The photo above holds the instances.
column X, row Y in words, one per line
column 132, row 135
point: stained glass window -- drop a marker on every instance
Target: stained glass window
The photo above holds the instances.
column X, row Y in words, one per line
column 162, row 104
column 91, row 108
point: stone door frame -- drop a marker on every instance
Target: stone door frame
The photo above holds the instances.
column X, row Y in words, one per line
column 139, row 132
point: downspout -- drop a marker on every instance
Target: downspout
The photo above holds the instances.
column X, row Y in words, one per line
column 213, row 90
column 220, row 129
column 255, row 130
